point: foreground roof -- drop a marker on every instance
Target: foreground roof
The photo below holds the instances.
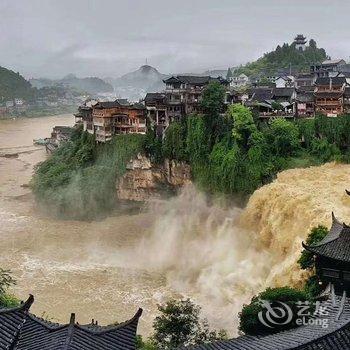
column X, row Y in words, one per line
column 336, row 244
column 20, row 330
column 309, row 337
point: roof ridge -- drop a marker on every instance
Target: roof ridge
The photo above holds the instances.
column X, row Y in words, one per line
column 111, row 328
column 23, row 306
column 335, row 222
column 48, row 324
column 70, row 332
column 341, row 307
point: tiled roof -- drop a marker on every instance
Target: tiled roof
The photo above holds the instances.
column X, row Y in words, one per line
column 305, row 96
column 283, row 92
column 20, row 330
column 333, row 62
column 336, row 245
column 113, row 104
column 308, row 337
column 261, row 94
column 327, row 81
column 154, row 96
column 193, row 79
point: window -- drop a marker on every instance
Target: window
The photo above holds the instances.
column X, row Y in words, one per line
column 331, row 273
column 346, row 275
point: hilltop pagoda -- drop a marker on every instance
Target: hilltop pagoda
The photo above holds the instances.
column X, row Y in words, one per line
column 300, row 42
column 21, row 330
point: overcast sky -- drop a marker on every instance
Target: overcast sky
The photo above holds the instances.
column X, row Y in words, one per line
column 51, row 38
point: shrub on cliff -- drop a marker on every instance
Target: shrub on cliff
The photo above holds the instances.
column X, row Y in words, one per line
column 78, row 180
column 271, row 311
column 6, row 281
column 306, row 260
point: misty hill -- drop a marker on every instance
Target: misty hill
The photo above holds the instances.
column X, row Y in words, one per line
column 92, row 85
column 13, row 85
column 215, row 73
column 284, row 57
column 136, row 84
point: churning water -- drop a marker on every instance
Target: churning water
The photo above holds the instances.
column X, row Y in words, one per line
column 186, row 246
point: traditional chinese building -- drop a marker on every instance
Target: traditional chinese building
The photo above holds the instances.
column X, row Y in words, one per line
column 84, row 117
column 300, row 42
column 332, row 257
column 305, row 102
column 157, row 115
column 347, row 100
column 184, row 93
column 329, row 95
column 118, row 117
column 21, row 330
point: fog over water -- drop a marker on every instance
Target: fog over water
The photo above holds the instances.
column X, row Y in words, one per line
column 186, row 246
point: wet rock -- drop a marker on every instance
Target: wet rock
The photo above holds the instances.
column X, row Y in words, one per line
column 144, row 181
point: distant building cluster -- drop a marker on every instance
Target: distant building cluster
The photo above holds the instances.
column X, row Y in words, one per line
column 324, row 89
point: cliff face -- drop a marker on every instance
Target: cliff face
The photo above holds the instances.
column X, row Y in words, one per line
column 144, row 181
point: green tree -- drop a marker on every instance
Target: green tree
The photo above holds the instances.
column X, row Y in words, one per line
column 276, row 106
column 325, row 150
column 179, row 324
column 306, row 260
column 283, row 137
column 249, row 322
column 212, row 104
column 153, row 145
column 243, row 124
column 174, row 143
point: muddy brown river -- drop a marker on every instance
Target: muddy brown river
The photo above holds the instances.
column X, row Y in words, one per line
column 69, row 266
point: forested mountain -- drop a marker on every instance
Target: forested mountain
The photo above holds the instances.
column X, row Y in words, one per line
column 91, row 85
column 284, row 57
column 13, row 85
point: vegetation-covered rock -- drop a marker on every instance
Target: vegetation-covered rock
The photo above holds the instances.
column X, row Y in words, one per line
column 285, row 56
column 78, row 180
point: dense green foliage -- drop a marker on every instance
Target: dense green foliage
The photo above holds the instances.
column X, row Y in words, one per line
column 6, row 281
column 78, row 180
column 248, row 317
column 306, row 260
column 179, row 324
column 285, row 56
column 234, row 153
column 13, row 85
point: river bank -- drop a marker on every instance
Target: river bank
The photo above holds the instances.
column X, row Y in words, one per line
column 36, row 112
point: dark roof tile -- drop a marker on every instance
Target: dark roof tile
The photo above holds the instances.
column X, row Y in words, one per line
column 20, row 330
column 327, row 80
